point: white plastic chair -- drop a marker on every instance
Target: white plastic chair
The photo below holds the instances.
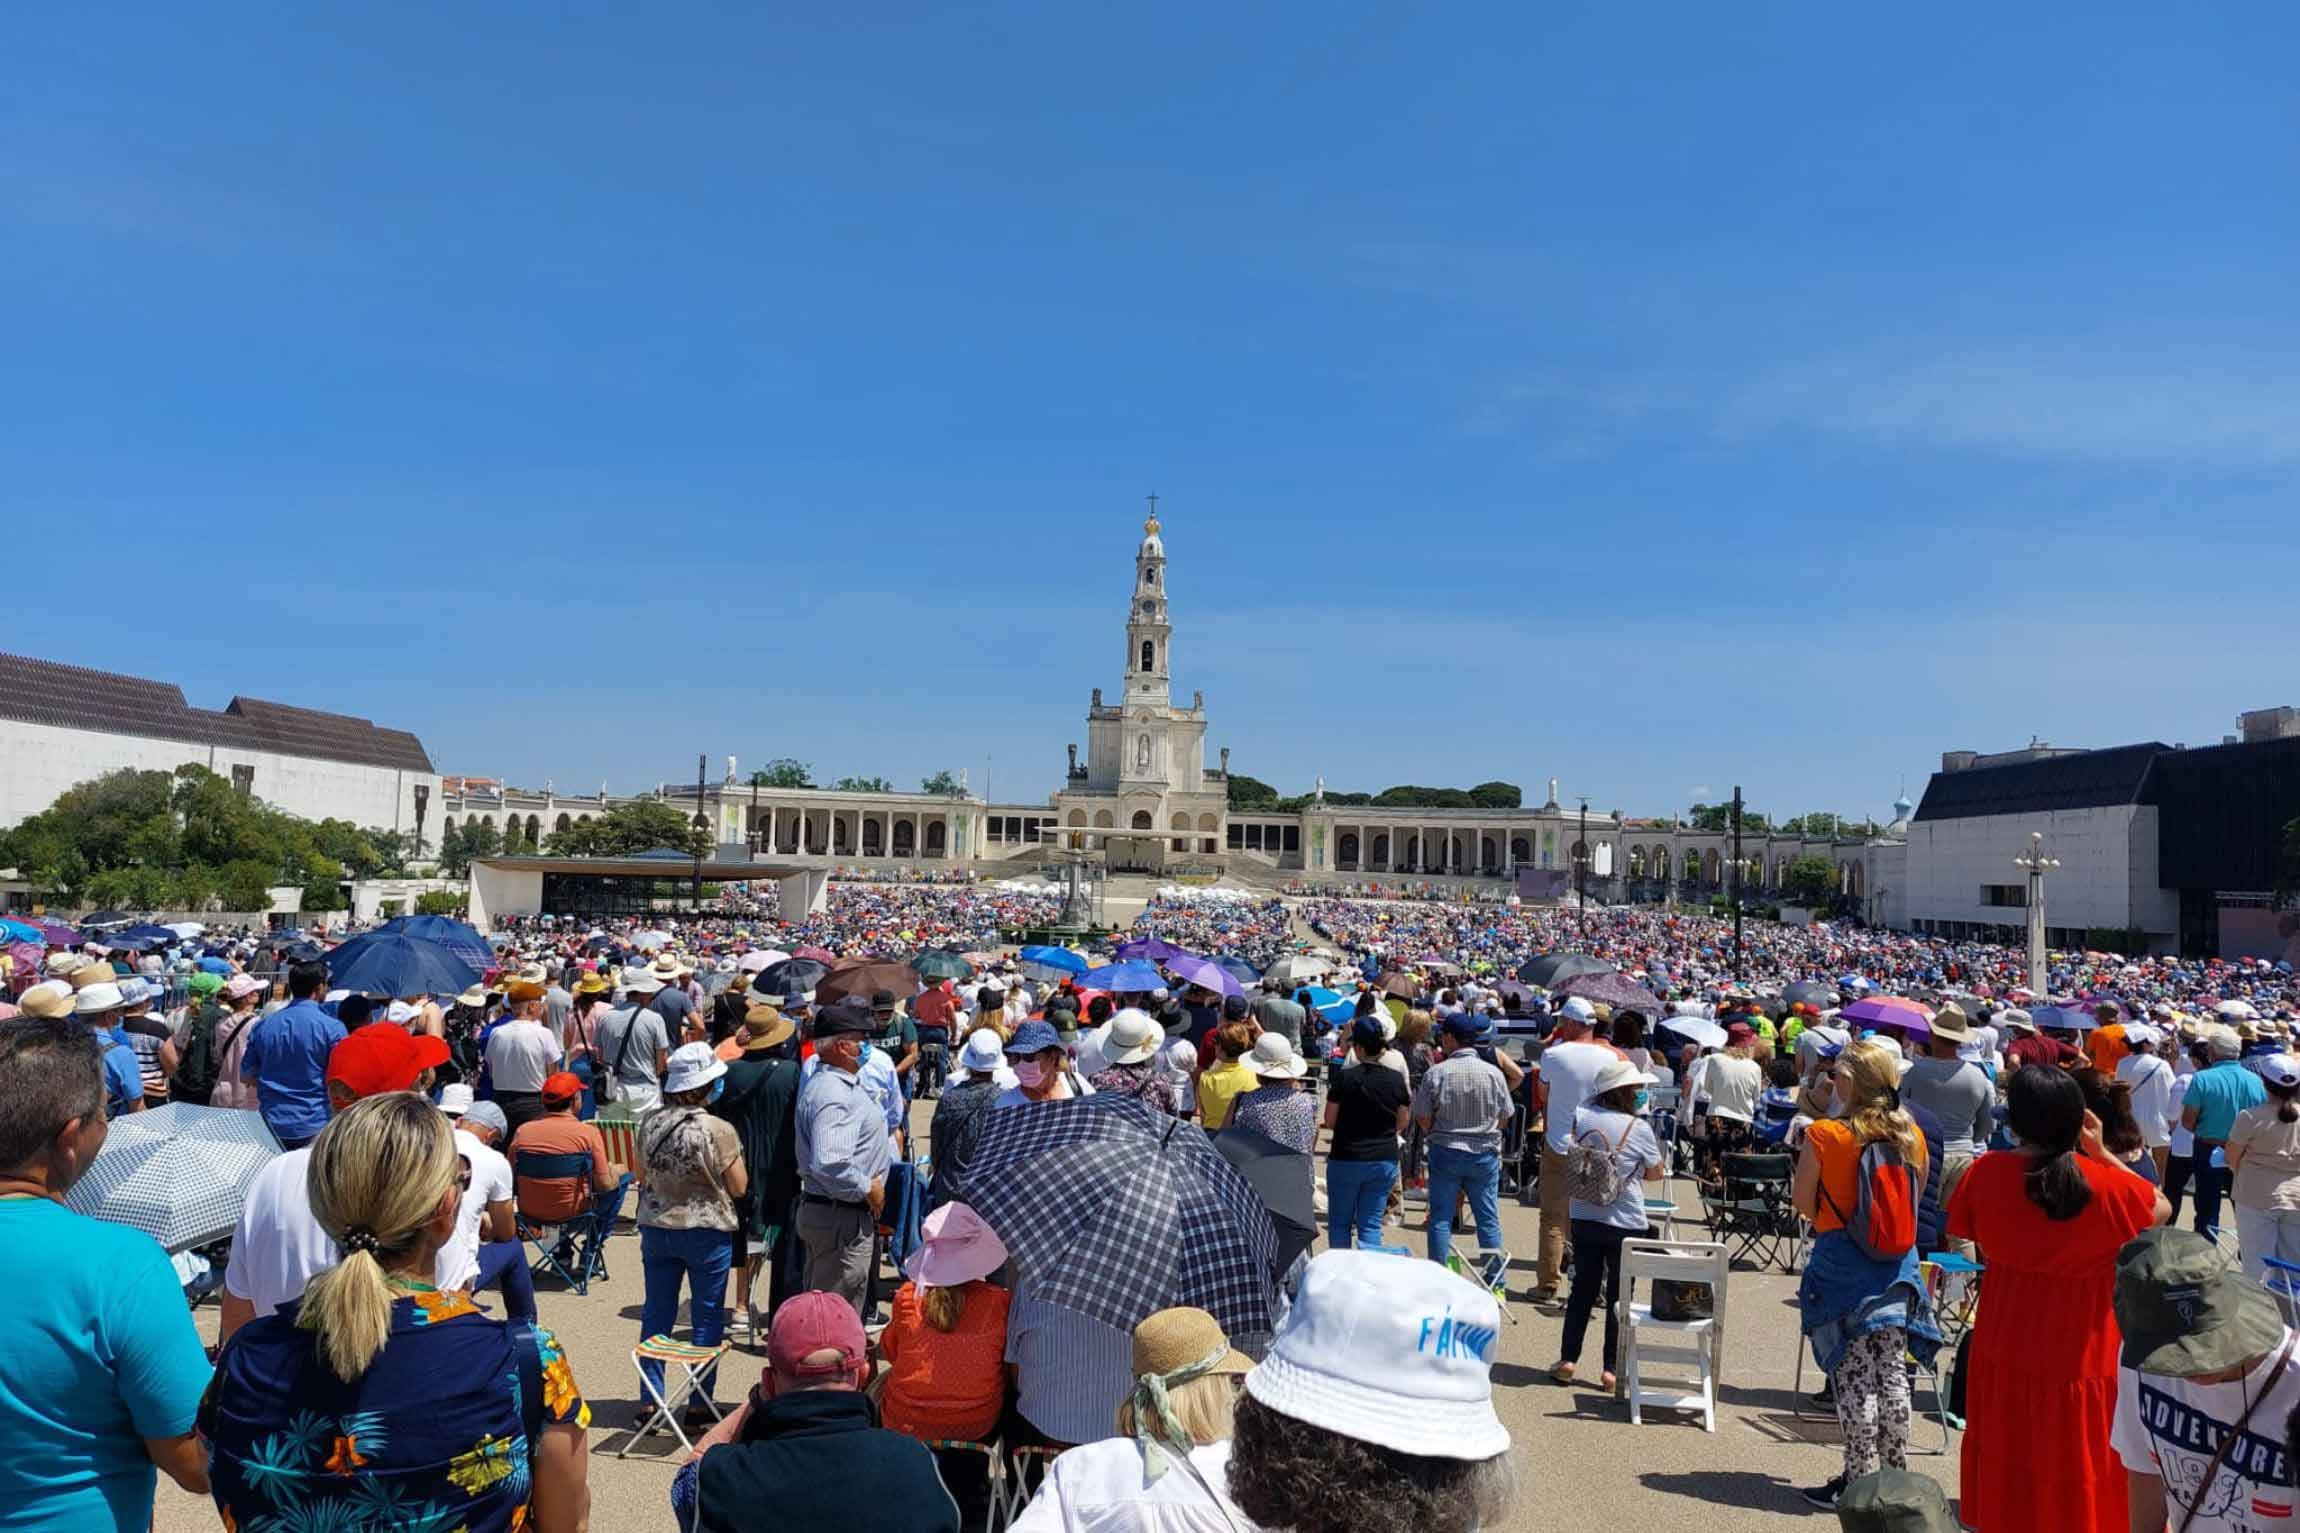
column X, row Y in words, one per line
column 1697, row 1343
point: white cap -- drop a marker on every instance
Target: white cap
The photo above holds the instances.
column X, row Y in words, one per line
column 692, row 1065
column 101, row 996
column 401, row 1012
column 455, row 1100
column 1391, row 1351
column 1577, row 1009
column 2279, row 1070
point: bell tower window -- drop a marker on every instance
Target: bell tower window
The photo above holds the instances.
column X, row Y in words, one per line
column 1149, row 656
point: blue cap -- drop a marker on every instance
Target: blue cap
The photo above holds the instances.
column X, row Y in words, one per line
column 1367, row 1033
column 1030, row 1037
column 1467, row 1028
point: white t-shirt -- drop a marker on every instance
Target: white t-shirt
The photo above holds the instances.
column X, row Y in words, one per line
column 2151, row 1081
column 1734, row 1086
column 1981, row 1047
column 2171, row 1428
column 521, row 1056
column 279, row 1246
column 1099, row 1488
column 1568, row 1070
column 490, row 1184
column 2183, row 1142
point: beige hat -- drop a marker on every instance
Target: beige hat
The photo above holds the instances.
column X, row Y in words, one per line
column 534, row 975
column 51, row 998
column 665, row 968
column 1174, row 1339
column 1951, row 1023
column 65, row 963
column 1274, row 1059
column 91, row 974
column 2221, row 1040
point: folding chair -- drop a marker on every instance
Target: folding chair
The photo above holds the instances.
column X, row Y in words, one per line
column 2282, row 1278
column 1700, row 1343
column 1487, row 1269
column 692, row 1362
column 1025, row 1471
column 994, row 1471
column 578, row 1235
column 1953, row 1284
column 1754, row 1212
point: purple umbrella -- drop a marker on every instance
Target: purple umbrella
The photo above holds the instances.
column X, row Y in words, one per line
column 1888, row 1011
column 59, row 935
column 1155, row 949
column 1206, row 974
column 1616, row 990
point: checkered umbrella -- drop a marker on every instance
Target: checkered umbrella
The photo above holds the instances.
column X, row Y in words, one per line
column 178, row 1172
column 1115, row 1210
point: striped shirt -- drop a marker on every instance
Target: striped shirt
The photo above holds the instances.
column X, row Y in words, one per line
column 1070, row 1373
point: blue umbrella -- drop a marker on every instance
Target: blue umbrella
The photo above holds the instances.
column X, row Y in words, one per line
column 1332, row 1004
column 1207, row 975
column 2068, row 1019
column 1238, row 969
column 387, row 963
column 457, row 937
column 1060, row 959
column 1156, row 949
column 17, row 931
column 1134, row 976
column 213, row 966
column 178, row 1173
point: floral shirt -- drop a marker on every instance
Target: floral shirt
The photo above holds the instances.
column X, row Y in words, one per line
column 431, row 1439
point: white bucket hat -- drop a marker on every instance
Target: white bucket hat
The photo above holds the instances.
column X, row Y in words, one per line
column 1273, row 1058
column 692, row 1065
column 1134, row 1036
column 985, row 1051
column 1398, row 1353
column 641, row 981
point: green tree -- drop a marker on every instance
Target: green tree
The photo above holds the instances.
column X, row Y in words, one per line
column 627, row 829
column 1719, row 818
column 863, row 785
column 784, row 772
column 941, row 784
column 438, row 902
column 1812, row 881
column 1250, row 792
column 246, row 885
column 1497, row 795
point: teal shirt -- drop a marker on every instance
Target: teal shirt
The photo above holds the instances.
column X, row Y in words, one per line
column 2218, row 1093
column 99, row 1353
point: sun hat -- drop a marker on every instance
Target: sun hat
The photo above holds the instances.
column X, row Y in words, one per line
column 455, row 1100
column 204, row 983
column 1030, row 1037
column 1894, row 1501
column 692, row 1065
column 956, row 1247
column 983, row 1053
column 135, row 990
column 2279, row 1070
column 488, row 1115
column 1184, row 1338
column 1395, row 1353
column 1274, row 1058
column 1617, row 1073
column 524, row 990
column 91, row 974
column 50, row 998
column 589, row 984
column 383, row 1056
column 665, row 968
column 61, row 964
column 2015, row 1017
column 779, row 1027
column 562, row 1086
column 532, row 974
column 1132, row 1036
column 1951, row 1024
column 400, row 1012
column 2221, row 1041
column 475, row 996
column 812, row 1322
column 94, row 999
column 2184, row 1308
column 639, row 980
column 242, row 984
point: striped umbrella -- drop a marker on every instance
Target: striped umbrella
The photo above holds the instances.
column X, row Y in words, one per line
column 178, row 1173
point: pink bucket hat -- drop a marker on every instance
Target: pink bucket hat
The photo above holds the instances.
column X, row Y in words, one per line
column 958, row 1248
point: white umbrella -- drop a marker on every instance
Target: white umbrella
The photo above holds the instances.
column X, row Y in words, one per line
column 186, row 928
column 752, row 963
column 178, row 1173
column 1300, row 966
column 649, row 941
column 2240, row 1011
column 1698, row 1029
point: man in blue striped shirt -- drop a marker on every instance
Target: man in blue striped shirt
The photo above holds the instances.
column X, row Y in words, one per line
column 844, row 1152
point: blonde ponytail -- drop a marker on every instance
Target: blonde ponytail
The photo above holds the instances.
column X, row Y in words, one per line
column 378, row 1174
column 1874, row 1111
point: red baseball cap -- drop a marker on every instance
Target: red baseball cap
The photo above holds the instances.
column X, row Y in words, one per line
column 815, row 1322
column 383, row 1057
column 565, row 1086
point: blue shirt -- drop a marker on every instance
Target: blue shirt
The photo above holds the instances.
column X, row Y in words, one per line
column 286, row 1057
column 99, row 1353
column 877, row 1074
column 1070, row 1372
column 123, row 1077
column 2218, row 1093
column 842, row 1137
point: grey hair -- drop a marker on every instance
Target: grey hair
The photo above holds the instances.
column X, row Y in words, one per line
column 1291, row 1476
column 51, row 1071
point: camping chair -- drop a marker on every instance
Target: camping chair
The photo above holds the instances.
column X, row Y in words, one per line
column 1487, row 1269
column 1700, row 1343
column 1953, row 1284
column 993, row 1470
column 2282, row 1278
column 578, row 1235
column 1752, row 1210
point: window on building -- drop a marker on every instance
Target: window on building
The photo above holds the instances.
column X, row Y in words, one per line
column 996, row 830
column 1293, row 838
column 2001, row 895
column 1149, row 653
column 1253, row 838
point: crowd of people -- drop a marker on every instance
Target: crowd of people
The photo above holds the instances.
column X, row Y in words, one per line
column 749, row 1091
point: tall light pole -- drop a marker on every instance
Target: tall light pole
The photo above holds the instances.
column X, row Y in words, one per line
column 2036, row 864
column 1736, row 880
column 1581, row 870
column 701, row 763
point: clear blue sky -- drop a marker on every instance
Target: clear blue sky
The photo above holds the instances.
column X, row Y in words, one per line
column 1653, row 397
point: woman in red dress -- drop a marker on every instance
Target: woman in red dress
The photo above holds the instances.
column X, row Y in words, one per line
column 2048, row 1218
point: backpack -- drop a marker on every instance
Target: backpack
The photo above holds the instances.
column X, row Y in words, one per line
column 1591, row 1173
column 201, row 1066
column 1883, row 1223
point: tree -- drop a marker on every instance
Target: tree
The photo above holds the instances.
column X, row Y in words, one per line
column 246, row 885
column 1812, row 881
column 941, row 785
column 1497, row 795
column 438, row 902
column 627, row 829
column 1820, row 825
column 1250, row 792
column 1718, row 818
column 784, row 772
column 863, row 785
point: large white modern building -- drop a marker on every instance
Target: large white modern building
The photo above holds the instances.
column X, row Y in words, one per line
column 65, row 724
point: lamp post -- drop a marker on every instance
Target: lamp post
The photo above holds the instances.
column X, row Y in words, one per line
column 1581, row 870
column 1736, row 880
column 2036, row 864
column 702, row 766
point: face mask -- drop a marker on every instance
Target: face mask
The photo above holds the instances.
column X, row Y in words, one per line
column 1030, row 1072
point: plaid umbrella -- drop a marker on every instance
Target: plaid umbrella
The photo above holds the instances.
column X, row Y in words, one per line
column 178, row 1172
column 1117, row 1211
column 1616, row 990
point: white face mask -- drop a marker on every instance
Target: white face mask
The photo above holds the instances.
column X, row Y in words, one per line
column 1029, row 1072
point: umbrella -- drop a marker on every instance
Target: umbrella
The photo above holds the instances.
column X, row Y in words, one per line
column 1893, row 1011
column 1298, row 968
column 648, row 942
column 1052, row 962
column 105, row 918
column 1810, row 992
column 178, row 1173
column 1549, row 968
column 791, row 974
column 185, row 928
column 458, row 937
column 1283, row 1177
column 129, row 942
column 2067, row 1019
column 857, row 978
column 823, row 956
column 1133, row 975
column 752, row 963
column 1514, row 990
column 1116, row 1211
column 1332, row 1004
column 387, row 963
column 936, row 964
column 26, row 956
column 142, row 931
column 1206, row 974
column 1155, row 949
column 1699, row 1029
column 1238, row 969
column 21, row 931
column 58, row 934
column 213, row 966
column 1616, row 990
column 1403, row 986
column 305, row 952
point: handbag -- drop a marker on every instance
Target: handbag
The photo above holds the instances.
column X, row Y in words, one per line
column 1677, row 1300
column 609, row 1086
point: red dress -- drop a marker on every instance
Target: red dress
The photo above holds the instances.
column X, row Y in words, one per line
column 2043, row 1386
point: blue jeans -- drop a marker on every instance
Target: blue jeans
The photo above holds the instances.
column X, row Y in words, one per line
column 2210, row 1186
column 1477, row 1173
column 504, row 1262
column 700, row 1258
column 1356, row 1192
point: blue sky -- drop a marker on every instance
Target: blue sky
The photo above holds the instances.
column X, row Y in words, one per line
column 1652, row 397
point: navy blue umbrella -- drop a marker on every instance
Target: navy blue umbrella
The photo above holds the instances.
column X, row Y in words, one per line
column 140, row 939
column 390, row 963
column 790, row 976
column 457, row 937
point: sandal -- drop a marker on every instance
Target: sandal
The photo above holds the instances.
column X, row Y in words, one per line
column 1562, row 1373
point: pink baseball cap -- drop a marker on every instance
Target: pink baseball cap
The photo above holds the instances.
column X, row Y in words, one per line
column 809, row 1323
